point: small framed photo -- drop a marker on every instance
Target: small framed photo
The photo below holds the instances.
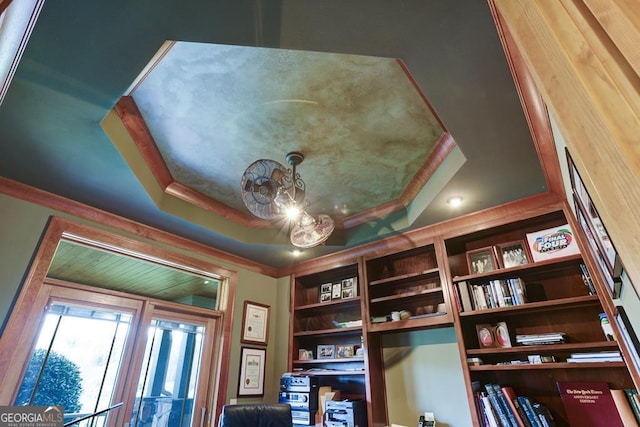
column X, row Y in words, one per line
column 305, row 354
column 486, row 337
column 347, row 293
column 326, row 351
column 481, row 260
column 346, row 350
column 336, row 293
column 501, row 334
column 325, row 297
column 513, row 254
column 325, row 287
column 348, row 283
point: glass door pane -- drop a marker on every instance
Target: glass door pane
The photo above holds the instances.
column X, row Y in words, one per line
column 76, row 360
column 168, row 382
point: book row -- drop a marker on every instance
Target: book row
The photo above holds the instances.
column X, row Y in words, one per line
column 492, row 294
column 585, row 404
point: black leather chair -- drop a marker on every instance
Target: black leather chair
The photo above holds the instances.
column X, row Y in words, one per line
column 256, row 415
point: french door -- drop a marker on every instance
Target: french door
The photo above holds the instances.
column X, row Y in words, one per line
column 130, row 361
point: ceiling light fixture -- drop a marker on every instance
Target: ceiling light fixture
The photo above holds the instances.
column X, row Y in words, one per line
column 271, row 191
column 454, row 201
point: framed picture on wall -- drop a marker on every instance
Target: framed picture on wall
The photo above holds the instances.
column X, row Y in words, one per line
column 255, row 323
column 252, row 365
column 591, row 220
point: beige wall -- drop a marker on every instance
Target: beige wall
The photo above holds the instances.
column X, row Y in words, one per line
column 423, row 373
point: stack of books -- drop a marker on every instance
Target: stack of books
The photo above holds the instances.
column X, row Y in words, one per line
column 538, row 339
column 595, row 356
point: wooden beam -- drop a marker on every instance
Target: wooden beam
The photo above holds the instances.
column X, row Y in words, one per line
column 583, row 59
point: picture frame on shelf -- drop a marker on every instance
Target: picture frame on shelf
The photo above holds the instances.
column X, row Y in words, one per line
column 513, row 254
column 347, row 293
column 255, row 323
column 325, row 297
column 345, row 351
column 252, row 367
column 326, row 288
column 304, row 354
column 486, row 337
column 349, row 283
column 501, row 335
column 326, row 351
column 481, row 260
column 336, row 292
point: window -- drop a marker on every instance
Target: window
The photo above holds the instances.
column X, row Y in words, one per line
column 116, row 335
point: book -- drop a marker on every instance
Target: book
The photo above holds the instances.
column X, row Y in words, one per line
column 624, row 408
column 631, row 394
column 596, row 356
column 543, row 414
column 497, row 405
column 528, row 410
column 586, row 277
column 511, row 414
column 465, row 296
column 510, row 395
column 589, row 404
column 489, row 412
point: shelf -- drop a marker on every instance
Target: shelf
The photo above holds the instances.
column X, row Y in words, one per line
column 330, row 372
column 334, row 305
column 336, row 360
column 528, row 268
column 437, row 320
column 332, row 331
column 557, row 304
column 415, row 294
column 547, row 366
column 547, row 348
column 411, row 277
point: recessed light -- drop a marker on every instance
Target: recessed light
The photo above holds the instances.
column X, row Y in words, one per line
column 454, row 201
column 296, row 252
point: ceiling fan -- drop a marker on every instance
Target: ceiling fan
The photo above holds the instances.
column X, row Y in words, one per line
column 272, row 191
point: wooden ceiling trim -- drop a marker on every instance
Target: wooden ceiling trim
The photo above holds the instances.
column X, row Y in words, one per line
column 200, row 200
column 88, row 213
column 438, row 154
column 133, row 121
column 533, row 106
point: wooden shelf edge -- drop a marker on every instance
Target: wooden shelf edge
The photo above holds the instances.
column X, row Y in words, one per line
column 554, row 365
column 330, row 372
column 520, row 268
column 332, row 331
column 335, row 360
column 404, row 277
column 544, row 348
column 440, row 320
column 532, row 306
column 406, row 295
column 332, row 304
